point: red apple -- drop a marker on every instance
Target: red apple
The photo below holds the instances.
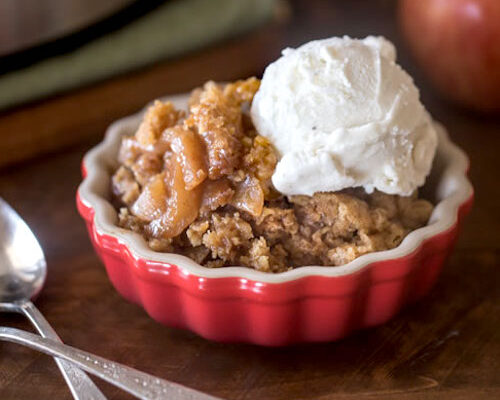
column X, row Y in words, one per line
column 457, row 42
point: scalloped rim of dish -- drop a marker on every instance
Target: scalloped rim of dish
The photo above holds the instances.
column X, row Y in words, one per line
column 97, row 164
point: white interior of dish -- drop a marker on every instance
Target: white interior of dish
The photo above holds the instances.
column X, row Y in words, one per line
column 447, row 187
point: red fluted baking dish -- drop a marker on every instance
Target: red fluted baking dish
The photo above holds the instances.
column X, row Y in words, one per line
column 308, row 304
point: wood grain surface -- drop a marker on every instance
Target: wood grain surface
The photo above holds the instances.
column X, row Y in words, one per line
column 445, row 347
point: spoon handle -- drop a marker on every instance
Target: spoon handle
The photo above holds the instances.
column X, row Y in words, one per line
column 81, row 386
column 138, row 383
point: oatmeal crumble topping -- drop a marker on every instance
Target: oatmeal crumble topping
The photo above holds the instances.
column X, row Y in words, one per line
column 200, row 185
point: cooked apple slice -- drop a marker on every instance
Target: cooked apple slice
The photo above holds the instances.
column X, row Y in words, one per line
column 249, row 196
column 216, row 194
column 151, row 202
column 182, row 205
column 190, row 154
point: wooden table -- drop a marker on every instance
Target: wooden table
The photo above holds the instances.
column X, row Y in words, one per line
column 447, row 346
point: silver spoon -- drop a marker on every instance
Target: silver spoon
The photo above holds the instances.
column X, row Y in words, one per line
column 22, row 274
column 138, row 383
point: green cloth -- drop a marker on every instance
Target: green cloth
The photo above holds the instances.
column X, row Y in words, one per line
column 172, row 29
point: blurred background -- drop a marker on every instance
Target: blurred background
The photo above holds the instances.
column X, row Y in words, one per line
column 69, row 68
column 55, row 52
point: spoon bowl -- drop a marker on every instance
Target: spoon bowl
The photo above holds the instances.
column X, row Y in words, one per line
column 22, row 263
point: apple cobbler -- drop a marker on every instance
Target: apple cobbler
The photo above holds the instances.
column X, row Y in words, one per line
column 199, row 184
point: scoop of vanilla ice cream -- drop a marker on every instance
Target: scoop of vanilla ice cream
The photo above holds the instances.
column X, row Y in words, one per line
column 342, row 114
